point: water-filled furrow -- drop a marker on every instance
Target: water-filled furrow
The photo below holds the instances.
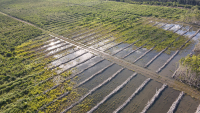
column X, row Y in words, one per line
column 167, row 26
column 93, row 90
column 187, row 105
column 150, row 103
column 52, row 43
column 133, row 51
column 116, row 44
column 164, row 102
column 58, row 51
column 151, row 50
column 73, row 76
column 64, row 54
column 168, row 61
column 100, row 40
column 107, row 43
column 54, row 47
column 65, row 68
column 183, row 30
column 156, row 24
column 163, row 25
column 155, row 57
column 198, row 109
column 133, row 95
column 86, row 36
column 176, row 53
column 143, row 54
column 68, row 60
column 82, row 33
column 186, row 31
column 178, row 29
column 170, row 27
column 90, row 39
column 160, row 52
column 96, row 37
column 92, row 76
column 49, row 41
column 113, row 92
column 139, row 47
column 104, row 41
column 174, row 105
column 76, row 32
column 190, row 33
column 124, row 48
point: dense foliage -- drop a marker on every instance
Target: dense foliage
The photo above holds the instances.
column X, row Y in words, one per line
column 192, row 63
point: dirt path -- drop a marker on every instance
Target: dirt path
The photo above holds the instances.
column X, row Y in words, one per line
column 150, row 74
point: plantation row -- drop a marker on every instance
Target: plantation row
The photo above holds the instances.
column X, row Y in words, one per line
column 49, row 97
column 62, row 19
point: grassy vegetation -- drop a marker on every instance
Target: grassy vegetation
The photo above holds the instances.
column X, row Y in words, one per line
column 13, row 34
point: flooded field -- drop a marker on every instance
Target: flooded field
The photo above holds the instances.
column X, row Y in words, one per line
column 113, row 88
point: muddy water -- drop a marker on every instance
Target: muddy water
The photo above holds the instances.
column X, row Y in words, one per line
column 173, row 65
column 139, row 101
column 96, row 40
column 115, row 101
column 125, row 51
column 183, row 29
column 158, row 62
column 86, row 36
column 88, row 63
column 116, row 48
column 160, row 25
column 58, row 49
column 86, row 74
column 106, row 46
column 65, row 52
column 74, row 62
column 55, row 46
column 191, row 32
column 68, row 57
column 167, row 26
column 90, row 38
column 100, row 77
column 102, row 42
column 132, row 57
column 52, row 42
column 143, row 61
column 187, row 105
column 176, row 27
column 99, row 94
column 164, row 102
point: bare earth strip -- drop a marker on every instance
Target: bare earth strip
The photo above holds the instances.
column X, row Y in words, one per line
column 148, row 73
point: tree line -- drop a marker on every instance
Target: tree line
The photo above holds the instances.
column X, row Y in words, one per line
column 174, row 3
